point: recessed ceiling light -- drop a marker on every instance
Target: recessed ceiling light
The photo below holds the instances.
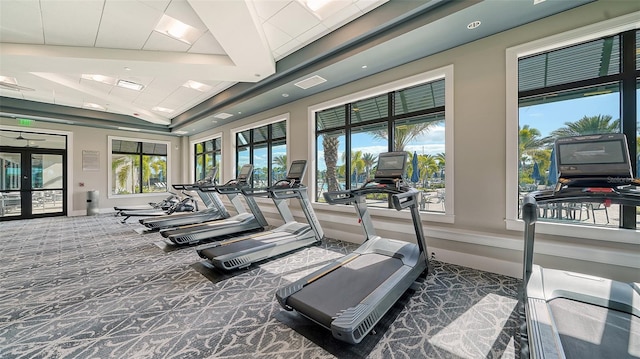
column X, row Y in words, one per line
column 127, row 68
column 130, row 85
column 214, row 121
column 285, row 95
column 93, row 106
column 364, row 66
column 536, row 2
column 474, row 25
column 222, row 115
column 197, row 86
column 181, row 132
column 162, row 109
column 177, row 29
column 310, row 82
column 100, row 78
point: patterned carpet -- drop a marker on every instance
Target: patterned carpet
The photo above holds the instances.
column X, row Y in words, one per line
column 91, row 287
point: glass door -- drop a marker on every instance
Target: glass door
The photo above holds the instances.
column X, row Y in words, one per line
column 32, row 175
column 10, row 184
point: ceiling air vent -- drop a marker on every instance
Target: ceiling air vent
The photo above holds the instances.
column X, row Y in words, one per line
column 310, row 82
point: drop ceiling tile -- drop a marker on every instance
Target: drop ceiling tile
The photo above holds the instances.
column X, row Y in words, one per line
column 96, row 86
column 287, row 49
column 124, row 94
column 126, row 25
column 266, row 9
column 20, row 22
column 160, row 42
column 294, row 19
column 342, row 17
column 275, row 37
column 159, row 5
column 181, row 10
column 10, row 93
column 313, row 34
column 368, row 5
column 39, row 96
column 63, row 26
column 207, row 44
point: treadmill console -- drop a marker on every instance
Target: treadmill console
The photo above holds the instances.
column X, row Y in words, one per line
column 583, row 159
column 297, row 170
column 245, row 173
column 391, row 165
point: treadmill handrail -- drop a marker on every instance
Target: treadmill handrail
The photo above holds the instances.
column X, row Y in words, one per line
column 349, row 196
column 405, row 199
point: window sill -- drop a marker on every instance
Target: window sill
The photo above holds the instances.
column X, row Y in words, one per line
column 137, row 195
column 607, row 234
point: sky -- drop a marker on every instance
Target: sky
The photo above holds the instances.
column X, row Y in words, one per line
column 550, row 116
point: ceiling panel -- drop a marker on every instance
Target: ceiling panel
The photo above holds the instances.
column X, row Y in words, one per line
column 160, row 42
column 207, row 44
column 294, row 19
column 181, row 10
column 126, row 24
column 62, row 25
column 21, row 22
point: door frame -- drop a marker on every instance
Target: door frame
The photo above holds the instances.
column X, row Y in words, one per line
column 67, row 160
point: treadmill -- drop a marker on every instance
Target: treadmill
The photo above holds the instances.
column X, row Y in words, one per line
column 574, row 315
column 242, row 222
column 215, row 208
column 186, row 204
column 350, row 295
column 242, row 251
column 164, row 205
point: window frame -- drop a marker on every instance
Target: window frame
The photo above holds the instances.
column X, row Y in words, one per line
column 254, row 125
column 513, row 54
column 445, row 73
column 110, row 140
column 192, row 155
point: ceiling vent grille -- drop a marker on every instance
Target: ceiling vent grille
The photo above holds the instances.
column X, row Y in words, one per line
column 310, row 82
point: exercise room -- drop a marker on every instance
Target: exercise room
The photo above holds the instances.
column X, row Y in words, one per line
column 320, row 179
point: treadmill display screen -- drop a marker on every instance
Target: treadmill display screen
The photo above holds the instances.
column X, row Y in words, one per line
column 297, row 169
column 245, row 171
column 391, row 165
column 593, row 156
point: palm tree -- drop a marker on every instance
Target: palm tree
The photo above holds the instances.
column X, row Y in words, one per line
column 120, row 167
column 369, row 160
column 428, row 166
column 588, row 125
column 330, row 143
column 280, row 169
column 404, row 134
column 280, row 161
column 357, row 165
column 530, row 142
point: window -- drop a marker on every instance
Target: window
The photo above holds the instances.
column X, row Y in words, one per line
column 409, row 116
column 207, row 155
column 137, row 167
column 264, row 147
column 586, row 87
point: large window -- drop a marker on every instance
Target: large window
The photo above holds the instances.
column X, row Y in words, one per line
column 138, row 167
column 350, row 136
column 587, row 87
column 266, row 148
column 207, row 155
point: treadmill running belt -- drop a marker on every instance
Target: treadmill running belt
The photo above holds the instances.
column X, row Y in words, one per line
column 590, row 331
column 344, row 288
column 234, row 247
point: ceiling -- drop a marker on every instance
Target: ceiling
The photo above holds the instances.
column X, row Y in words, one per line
column 75, row 61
